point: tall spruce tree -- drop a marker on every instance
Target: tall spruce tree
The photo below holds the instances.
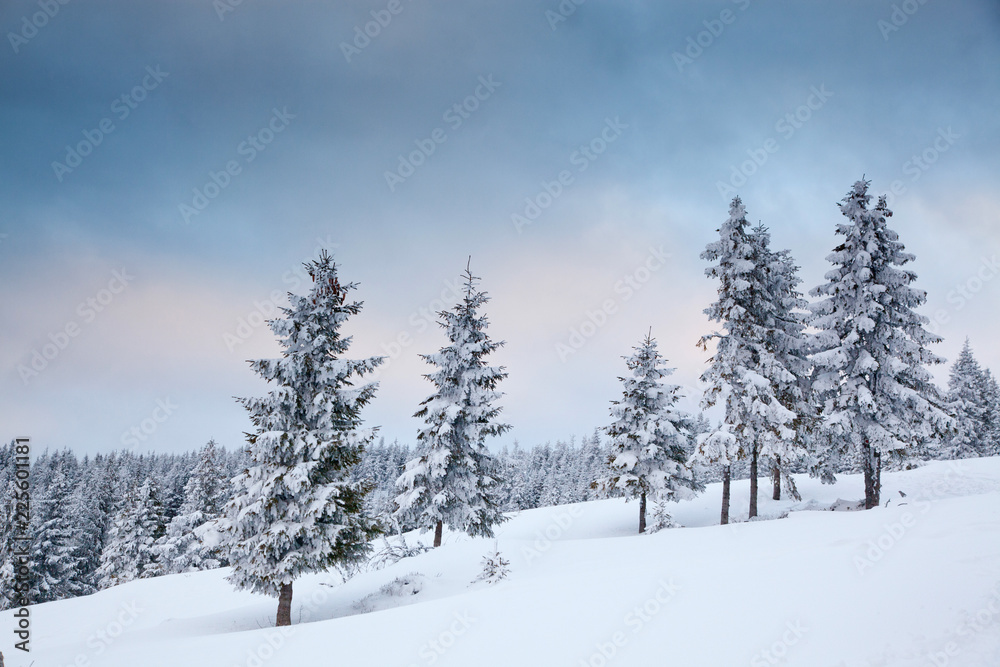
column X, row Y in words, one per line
column 784, row 311
column 649, row 437
column 55, row 552
column 991, row 393
column 968, row 401
column 454, row 481
column 9, row 545
column 296, row 509
column 745, row 369
column 129, row 553
column 872, row 348
column 183, row 547
column 88, row 521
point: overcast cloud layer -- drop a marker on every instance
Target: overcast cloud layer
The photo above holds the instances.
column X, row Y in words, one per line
column 155, row 295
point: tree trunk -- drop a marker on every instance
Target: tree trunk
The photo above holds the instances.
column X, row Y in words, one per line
column 871, row 476
column 753, row 483
column 438, row 530
column 776, row 478
column 878, row 478
column 284, row 606
column 726, row 472
column 642, row 512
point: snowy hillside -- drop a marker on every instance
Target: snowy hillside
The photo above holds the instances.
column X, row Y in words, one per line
column 914, row 583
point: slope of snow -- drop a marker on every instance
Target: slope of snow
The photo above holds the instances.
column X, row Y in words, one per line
column 914, row 583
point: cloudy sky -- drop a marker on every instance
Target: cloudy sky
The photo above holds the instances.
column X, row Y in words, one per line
column 166, row 167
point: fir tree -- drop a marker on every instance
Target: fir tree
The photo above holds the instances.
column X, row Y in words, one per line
column 968, row 401
column 745, row 368
column 9, row 546
column 183, row 547
column 454, row 480
column 991, row 400
column 296, row 510
column 649, row 435
column 784, row 312
column 871, row 378
column 88, row 520
column 55, row 560
column 129, row 553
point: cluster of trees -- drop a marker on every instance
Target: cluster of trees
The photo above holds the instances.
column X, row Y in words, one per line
column 832, row 385
column 540, row 476
column 101, row 521
column 974, row 401
column 839, row 382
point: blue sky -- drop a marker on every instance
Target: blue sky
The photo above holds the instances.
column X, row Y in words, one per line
column 224, row 144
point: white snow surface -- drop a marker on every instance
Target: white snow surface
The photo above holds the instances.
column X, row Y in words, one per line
column 916, row 583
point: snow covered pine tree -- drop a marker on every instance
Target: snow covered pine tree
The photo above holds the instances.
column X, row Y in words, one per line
column 785, row 313
column 966, row 400
column 745, row 368
column 649, row 436
column 454, row 481
column 295, row 510
column 54, row 557
column 870, row 377
column 129, row 553
column 183, row 547
column 991, row 398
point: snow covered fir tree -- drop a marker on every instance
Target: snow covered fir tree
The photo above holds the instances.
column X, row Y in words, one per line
column 759, row 336
column 191, row 538
column 972, row 400
column 871, row 379
column 784, row 310
column 454, row 480
column 650, row 437
column 130, row 552
column 296, row 510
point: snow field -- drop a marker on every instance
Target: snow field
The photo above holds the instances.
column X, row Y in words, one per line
column 916, row 583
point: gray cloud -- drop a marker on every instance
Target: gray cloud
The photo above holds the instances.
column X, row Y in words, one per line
column 323, row 176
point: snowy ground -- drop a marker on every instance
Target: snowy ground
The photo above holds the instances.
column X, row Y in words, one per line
column 914, row 583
